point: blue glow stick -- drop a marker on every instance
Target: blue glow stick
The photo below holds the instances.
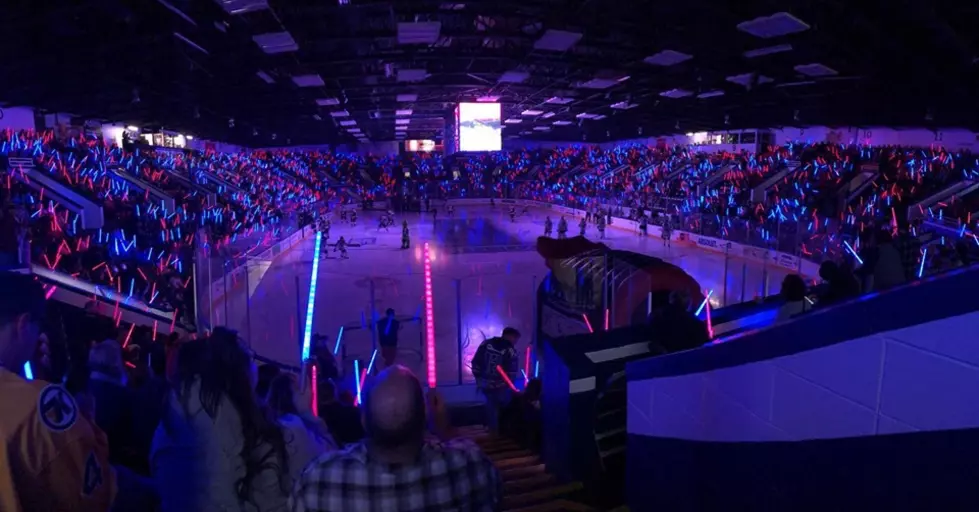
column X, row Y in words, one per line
column 704, row 303
column 357, row 377
column 336, row 347
column 854, row 253
column 921, row 268
column 28, row 371
column 370, row 365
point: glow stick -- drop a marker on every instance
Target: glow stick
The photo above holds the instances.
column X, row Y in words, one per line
column 536, row 369
column 704, row 303
column 854, row 253
column 606, row 319
column 336, row 347
column 363, row 377
column 506, row 378
column 921, row 268
column 649, row 305
column 370, row 366
column 587, row 323
column 429, row 318
column 128, row 335
column 526, row 363
column 710, row 326
column 308, row 333
column 28, row 371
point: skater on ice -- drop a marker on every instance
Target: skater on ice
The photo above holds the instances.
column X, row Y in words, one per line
column 643, row 225
column 601, row 227
column 667, row 230
column 581, row 227
column 341, row 247
column 548, row 226
column 405, row 238
column 513, row 214
column 562, row 228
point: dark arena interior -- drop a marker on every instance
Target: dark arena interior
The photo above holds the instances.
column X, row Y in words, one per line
column 624, row 255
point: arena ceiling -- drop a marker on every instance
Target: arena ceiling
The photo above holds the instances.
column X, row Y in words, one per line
column 278, row 72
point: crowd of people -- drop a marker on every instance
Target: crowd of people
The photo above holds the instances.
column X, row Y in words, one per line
column 819, row 198
column 131, row 421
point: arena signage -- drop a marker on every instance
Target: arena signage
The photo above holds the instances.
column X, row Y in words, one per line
column 787, row 261
column 713, row 243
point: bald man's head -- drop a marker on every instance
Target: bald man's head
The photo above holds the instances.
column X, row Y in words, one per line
column 394, row 408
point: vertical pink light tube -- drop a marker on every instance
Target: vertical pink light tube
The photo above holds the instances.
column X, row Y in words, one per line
column 606, row 319
column 429, row 319
column 526, row 366
column 710, row 326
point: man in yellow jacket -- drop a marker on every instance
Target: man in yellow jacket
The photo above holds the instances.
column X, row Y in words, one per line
column 53, row 456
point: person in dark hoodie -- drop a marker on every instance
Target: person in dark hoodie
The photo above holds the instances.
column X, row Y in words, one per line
column 493, row 352
column 839, row 285
column 675, row 325
column 882, row 266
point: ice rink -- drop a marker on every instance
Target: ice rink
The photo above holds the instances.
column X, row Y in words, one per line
column 484, row 271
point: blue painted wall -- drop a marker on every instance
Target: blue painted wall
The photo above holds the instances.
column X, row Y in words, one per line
column 869, row 404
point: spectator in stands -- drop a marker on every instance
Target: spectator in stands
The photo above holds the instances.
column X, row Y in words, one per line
column 387, row 334
column 217, row 447
column 396, row 467
column 326, row 362
column 522, row 418
column 12, row 237
column 909, row 247
column 675, row 325
column 794, row 300
column 107, row 386
column 342, row 420
column 492, row 356
column 56, row 458
column 839, row 285
column 882, row 263
column 310, row 435
column 266, row 373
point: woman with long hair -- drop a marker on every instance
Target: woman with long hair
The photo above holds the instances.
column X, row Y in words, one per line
column 311, row 436
column 217, row 448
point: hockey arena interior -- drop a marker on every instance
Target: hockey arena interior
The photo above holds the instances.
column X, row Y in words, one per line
column 549, row 255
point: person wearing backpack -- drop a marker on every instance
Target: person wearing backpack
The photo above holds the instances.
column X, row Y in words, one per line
column 498, row 351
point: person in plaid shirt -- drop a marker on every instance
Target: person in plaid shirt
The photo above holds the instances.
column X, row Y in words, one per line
column 396, row 468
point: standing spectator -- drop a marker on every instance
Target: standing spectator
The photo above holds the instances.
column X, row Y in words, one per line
column 217, row 447
column 387, row 334
column 308, row 435
column 266, row 373
column 55, row 457
column 499, row 351
column 840, row 284
column 793, row 294
column 396, row 467
column 342, row 420
column 107, row 386
column 676, row 326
